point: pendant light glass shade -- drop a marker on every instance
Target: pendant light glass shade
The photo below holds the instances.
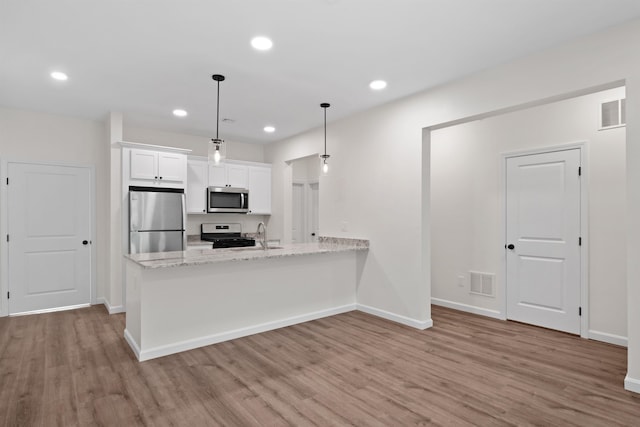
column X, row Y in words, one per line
column 217, row 147
column 324, row 166
column 217, row 151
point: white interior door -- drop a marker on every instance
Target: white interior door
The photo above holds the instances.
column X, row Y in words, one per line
column 49, row 218
column 298, row 212
column 314, row 203
column 543, row 231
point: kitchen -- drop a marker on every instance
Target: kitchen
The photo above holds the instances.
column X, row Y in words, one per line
column 368, row 151
column 173, row 280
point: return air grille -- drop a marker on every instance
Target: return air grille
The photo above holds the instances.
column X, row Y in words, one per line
column 482, row 283
column 613, row 114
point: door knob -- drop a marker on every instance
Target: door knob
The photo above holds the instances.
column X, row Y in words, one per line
column 511, row 246
column 313, row 234
column 85, row 242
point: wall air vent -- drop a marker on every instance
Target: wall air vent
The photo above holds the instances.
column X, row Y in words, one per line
column 482, row 283
column 613, row 114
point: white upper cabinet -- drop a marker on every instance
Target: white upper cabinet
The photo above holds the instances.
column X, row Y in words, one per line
column 144, row 164
column 260, row 190
column 238, row 176
column 229, row 175
column 154, row 167
column 197, row 182
column 218, row 175
column 172, row 167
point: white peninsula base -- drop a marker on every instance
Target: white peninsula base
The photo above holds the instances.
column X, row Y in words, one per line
column 183, row 307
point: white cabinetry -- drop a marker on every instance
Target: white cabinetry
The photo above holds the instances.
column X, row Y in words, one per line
column 197, row 182
column 260, row 190
column 157, row 168
column 229, row 175
column 232, row 173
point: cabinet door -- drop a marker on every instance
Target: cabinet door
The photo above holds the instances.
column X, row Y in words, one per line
column 217, row 175
column 197, row 181
column 172, row 167
column 259, row 190
column 144, row 165
column 237, row 176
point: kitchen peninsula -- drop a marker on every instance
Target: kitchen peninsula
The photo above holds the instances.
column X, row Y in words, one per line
column 178, row 301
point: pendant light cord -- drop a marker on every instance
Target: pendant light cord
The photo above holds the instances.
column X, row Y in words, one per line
column 324, row 106
column 325, row 131
column 218, row 110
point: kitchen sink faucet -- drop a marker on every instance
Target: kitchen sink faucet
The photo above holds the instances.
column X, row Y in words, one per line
column 262, row 241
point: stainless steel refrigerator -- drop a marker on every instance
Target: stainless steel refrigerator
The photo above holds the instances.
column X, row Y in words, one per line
column 157, row 220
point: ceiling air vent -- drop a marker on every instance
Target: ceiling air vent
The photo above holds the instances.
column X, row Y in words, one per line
column 482, row 283
column 613, row 114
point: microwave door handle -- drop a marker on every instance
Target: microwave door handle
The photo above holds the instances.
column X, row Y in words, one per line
column 242, row 200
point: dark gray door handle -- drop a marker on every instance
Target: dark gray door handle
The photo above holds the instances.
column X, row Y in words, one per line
column 510, row 246
column 85, row 242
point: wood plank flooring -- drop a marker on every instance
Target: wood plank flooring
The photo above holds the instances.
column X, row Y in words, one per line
column 74, row 368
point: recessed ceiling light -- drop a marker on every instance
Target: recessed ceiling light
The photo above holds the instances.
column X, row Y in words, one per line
column 59, row 75
column 378, row 84
column 261, row 43
column 179, row 113
column 269, row 129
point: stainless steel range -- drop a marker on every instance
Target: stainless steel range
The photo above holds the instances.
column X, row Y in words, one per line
column 224, row 235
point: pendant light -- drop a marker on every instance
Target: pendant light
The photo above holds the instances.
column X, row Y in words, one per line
column 217, row 150
column 325, row 156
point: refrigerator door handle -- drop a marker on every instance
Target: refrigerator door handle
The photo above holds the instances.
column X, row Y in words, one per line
column 184, row 222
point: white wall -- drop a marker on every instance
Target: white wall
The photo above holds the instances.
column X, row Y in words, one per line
column 33, row 136
column 467, row 193
column 306, row 169
column 380, row 180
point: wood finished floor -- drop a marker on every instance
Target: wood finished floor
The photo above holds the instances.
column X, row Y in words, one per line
column 74, row 368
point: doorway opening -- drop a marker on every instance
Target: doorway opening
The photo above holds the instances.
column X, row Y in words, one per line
column 467, row 216
column 305, row 199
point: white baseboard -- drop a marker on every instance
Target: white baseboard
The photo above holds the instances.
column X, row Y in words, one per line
column 631, row 384
column 190, row 344
column 111, row 309
column 50, row 310
column 608, row 338
column 418, row 324
column 469, row 308
column 132, row 343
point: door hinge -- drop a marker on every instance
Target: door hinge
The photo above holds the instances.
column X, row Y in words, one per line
column 7, row 237
column 579, row 170
column 8, row 295
column 579, row 241
column 579, row 311
column 7, row 180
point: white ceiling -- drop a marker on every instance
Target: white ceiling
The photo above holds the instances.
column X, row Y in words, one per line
column 148, row 57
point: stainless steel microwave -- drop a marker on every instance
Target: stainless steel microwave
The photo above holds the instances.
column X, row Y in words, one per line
column 227, row 199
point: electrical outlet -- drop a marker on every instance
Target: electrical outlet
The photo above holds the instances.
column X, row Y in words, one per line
column 461, row 280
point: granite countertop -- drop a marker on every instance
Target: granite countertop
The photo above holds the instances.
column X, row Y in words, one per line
column 210, row 256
